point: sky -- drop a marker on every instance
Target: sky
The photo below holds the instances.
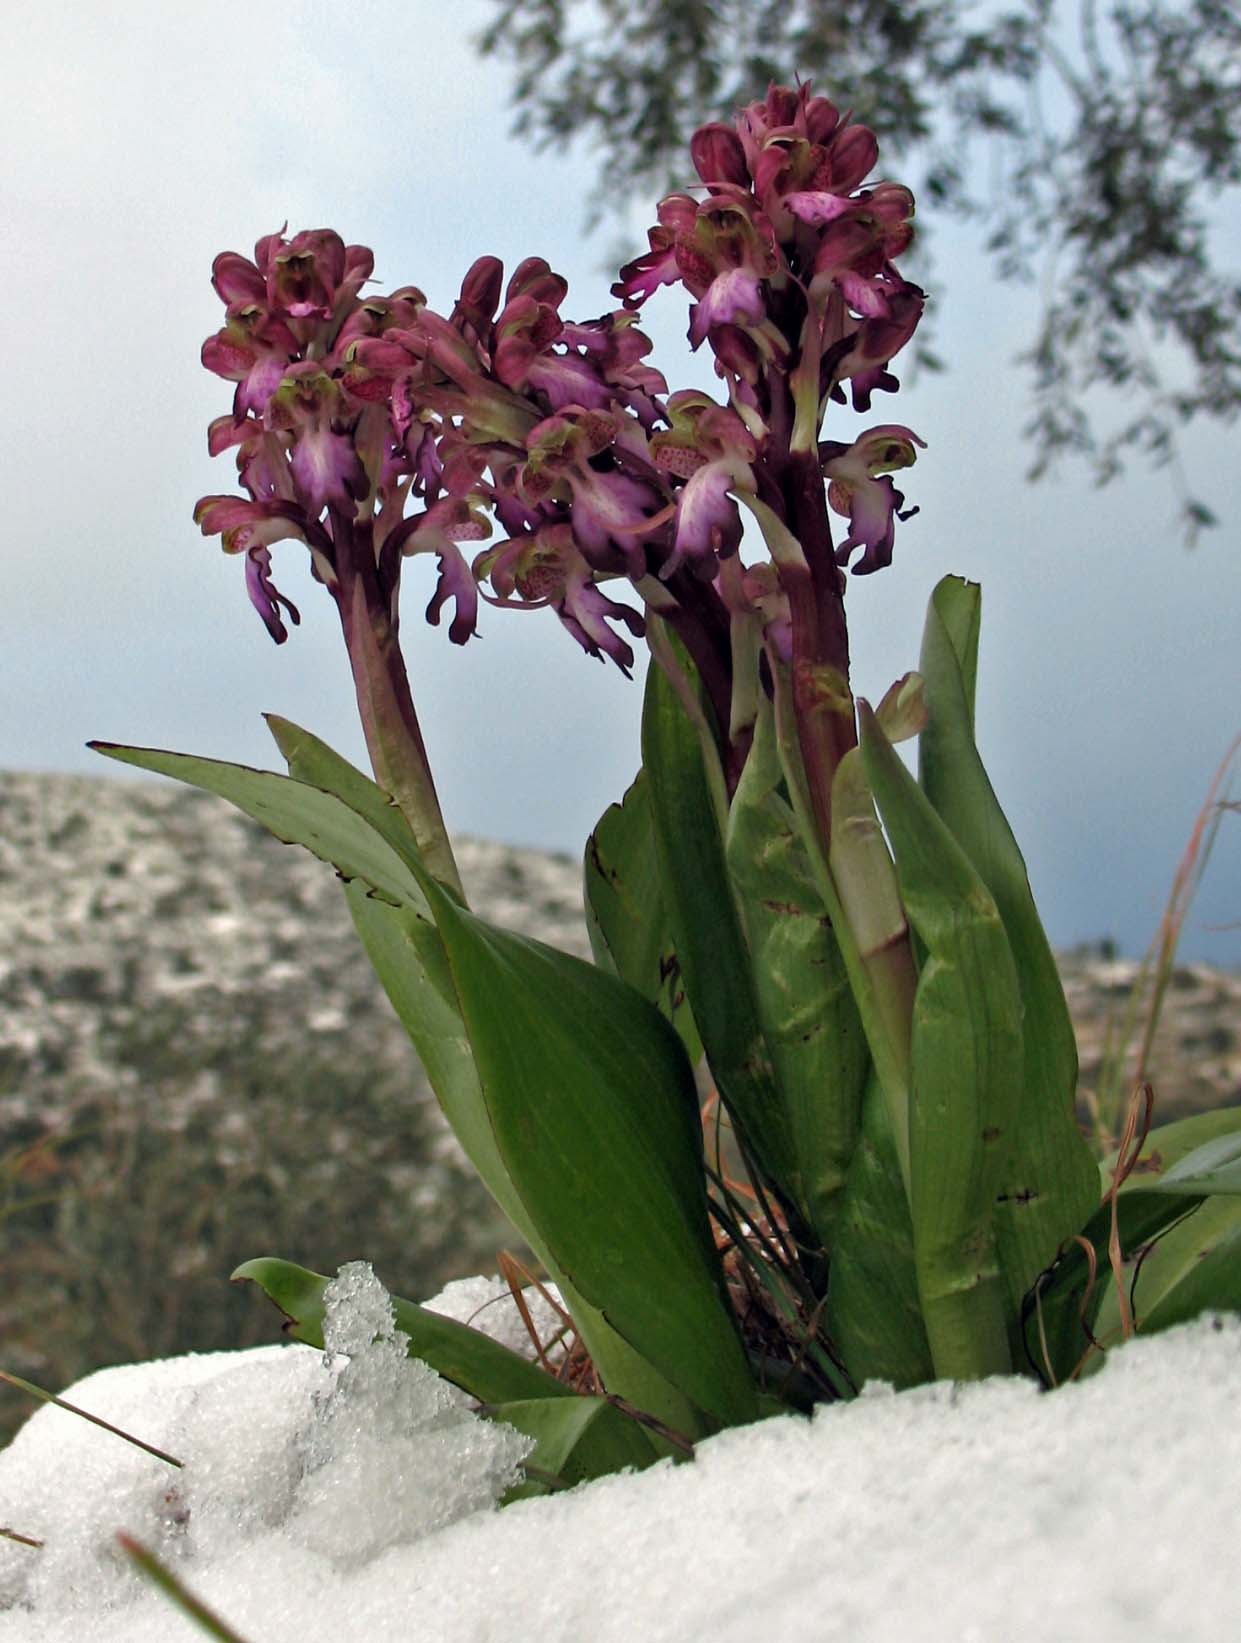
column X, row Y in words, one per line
column 353, row 1499
column 142, row 140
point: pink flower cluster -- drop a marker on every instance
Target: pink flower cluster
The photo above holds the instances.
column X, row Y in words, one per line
column 371, row 427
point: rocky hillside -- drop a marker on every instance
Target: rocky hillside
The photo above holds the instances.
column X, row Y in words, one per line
column 140, row 920
column 197, row 1066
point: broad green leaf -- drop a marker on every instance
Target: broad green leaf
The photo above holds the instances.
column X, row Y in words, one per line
column 625, row 912
column 706, row 930
column 593, row 1104
column 1195, row 1266
column 966, row 1069
column 1176, row 1230
column 1195, row 1269
column 806, row 1009
column 1167, row 1144
column 1214, row 1167
column 1050, row 1183
column 314, row 762
column 1191, row 1267
column 473, row 1361
column 342, row 817
column 576, row 1439
column 295, row 811
column 873, row 1313
column 407, row 953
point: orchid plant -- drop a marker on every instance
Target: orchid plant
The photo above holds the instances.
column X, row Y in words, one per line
column 844, row 958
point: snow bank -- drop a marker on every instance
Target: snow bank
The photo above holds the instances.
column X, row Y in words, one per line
column 352, row 1494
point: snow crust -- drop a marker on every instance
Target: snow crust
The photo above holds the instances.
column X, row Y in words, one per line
column 352, row 1494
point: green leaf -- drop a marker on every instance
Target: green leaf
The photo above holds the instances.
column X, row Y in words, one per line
column 1196, row 1268
column 625, row 911
column 576, row 1439
column 354, row 827
column 966, row 1067
column 1190, row 1267
column 806, row 1009
column 706, row 930
column 593, row 1104
column 473, row 1361
column 407, row 953
column 296, row 812
column 1177, row 1212
column 1214, row 1167
column 1049, row 1184
column 874, row 1316
column 314, row 762
column 1168, row 1144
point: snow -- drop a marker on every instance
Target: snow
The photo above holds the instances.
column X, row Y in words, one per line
column 352, row 1494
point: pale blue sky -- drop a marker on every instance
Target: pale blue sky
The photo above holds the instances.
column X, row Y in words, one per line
column 141, row 140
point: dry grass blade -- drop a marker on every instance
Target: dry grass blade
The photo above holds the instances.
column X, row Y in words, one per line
column 1155, row 974
column 184, row 1599
column 1132, row 1140
column 517, row 1276
column 95, row 1420
column 22, row 1540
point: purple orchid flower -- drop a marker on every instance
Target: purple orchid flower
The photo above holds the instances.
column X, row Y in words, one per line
column 872, row 504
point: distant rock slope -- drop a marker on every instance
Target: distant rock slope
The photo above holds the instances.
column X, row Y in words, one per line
column 134, row 914
column 127, row 904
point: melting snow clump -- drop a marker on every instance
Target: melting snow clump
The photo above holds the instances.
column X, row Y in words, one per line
column 390, row 1454
column 343, row 1453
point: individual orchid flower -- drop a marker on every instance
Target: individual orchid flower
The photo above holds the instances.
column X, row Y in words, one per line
column 308, row 405
column 313, row 274
column 710, row 447
column 546, row 568
column 243, row 525
column 871, row 503
column 611, row 510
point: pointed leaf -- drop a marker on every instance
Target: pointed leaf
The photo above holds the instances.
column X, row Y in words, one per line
column 594, row 1108
column 1061, row 1311
column 1050, row 1183
column 966, row 1067
column 408, row 955
column 1213, row 1167
column 706, row 929
column 873, row 1312
column 806, row 1009
column 576, row 1439
column 1168, row 1144
column 296, row 812
column 473, row 1361
column 625, row 911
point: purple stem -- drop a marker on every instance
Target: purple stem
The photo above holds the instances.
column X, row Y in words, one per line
column 369, row 620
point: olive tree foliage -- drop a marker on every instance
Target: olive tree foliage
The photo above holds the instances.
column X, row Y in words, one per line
column 1098, row 148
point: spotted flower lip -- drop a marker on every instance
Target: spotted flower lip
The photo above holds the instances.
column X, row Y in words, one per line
column 243, row 525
